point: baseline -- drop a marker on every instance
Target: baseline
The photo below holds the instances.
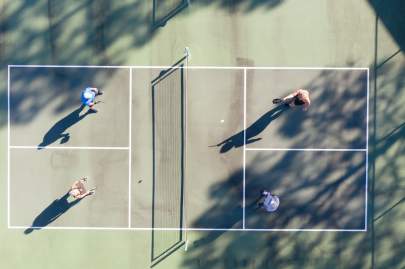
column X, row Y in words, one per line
column 187, row 229
column 302, row 149
column 192, row 67
column 56, row 147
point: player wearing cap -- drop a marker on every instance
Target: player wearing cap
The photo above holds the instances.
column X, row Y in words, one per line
column 269, row 202
column 88, row 97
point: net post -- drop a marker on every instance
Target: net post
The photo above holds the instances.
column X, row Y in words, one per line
column 187, row 53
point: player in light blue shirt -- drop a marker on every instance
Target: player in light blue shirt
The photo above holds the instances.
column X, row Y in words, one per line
column 88, row 97
column 270, row 202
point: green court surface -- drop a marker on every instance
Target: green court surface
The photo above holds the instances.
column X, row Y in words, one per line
column 179, row 155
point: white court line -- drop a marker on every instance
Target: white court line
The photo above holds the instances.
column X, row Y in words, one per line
column 191, row 67
column 8, row 146
column 68, row 66
column 302, row 149
column 130, row 151
column 367, row 122
column 244, row 147
column 185, row 145
column 55, row 147
column 187, row 229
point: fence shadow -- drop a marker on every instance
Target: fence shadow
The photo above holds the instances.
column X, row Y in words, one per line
column 86, row 32
column 163, row 13
column 301, row 249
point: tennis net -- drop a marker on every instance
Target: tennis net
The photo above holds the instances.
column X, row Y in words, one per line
column 168, row 161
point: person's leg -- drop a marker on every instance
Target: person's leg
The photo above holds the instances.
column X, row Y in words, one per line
column 92, row 109
column 259, row 201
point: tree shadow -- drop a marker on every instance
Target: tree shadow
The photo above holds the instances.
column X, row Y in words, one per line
column 51, row 213
column 330, row 114
column 391, row 13
column 85, row 32
column 222, row 249
column 253, row 130
column 312, row 195
column 227, row 194
column 57, row 131
column 386, row 149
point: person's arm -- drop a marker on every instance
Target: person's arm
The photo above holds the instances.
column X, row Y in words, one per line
column 94, row 90
column 81, row 196
column 289, row 98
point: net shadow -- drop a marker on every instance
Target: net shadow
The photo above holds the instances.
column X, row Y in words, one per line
column 168, row 163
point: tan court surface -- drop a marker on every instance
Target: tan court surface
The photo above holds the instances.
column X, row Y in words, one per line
column 323, row 189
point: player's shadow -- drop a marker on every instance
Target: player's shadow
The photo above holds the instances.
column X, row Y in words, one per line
column 51, row 213
column 58, row 130
column 253, row 130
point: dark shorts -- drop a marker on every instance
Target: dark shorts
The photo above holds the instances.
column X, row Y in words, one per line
column 298, row 102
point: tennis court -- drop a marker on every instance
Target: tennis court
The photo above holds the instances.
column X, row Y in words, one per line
column 149, row 149
column 179, row 154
